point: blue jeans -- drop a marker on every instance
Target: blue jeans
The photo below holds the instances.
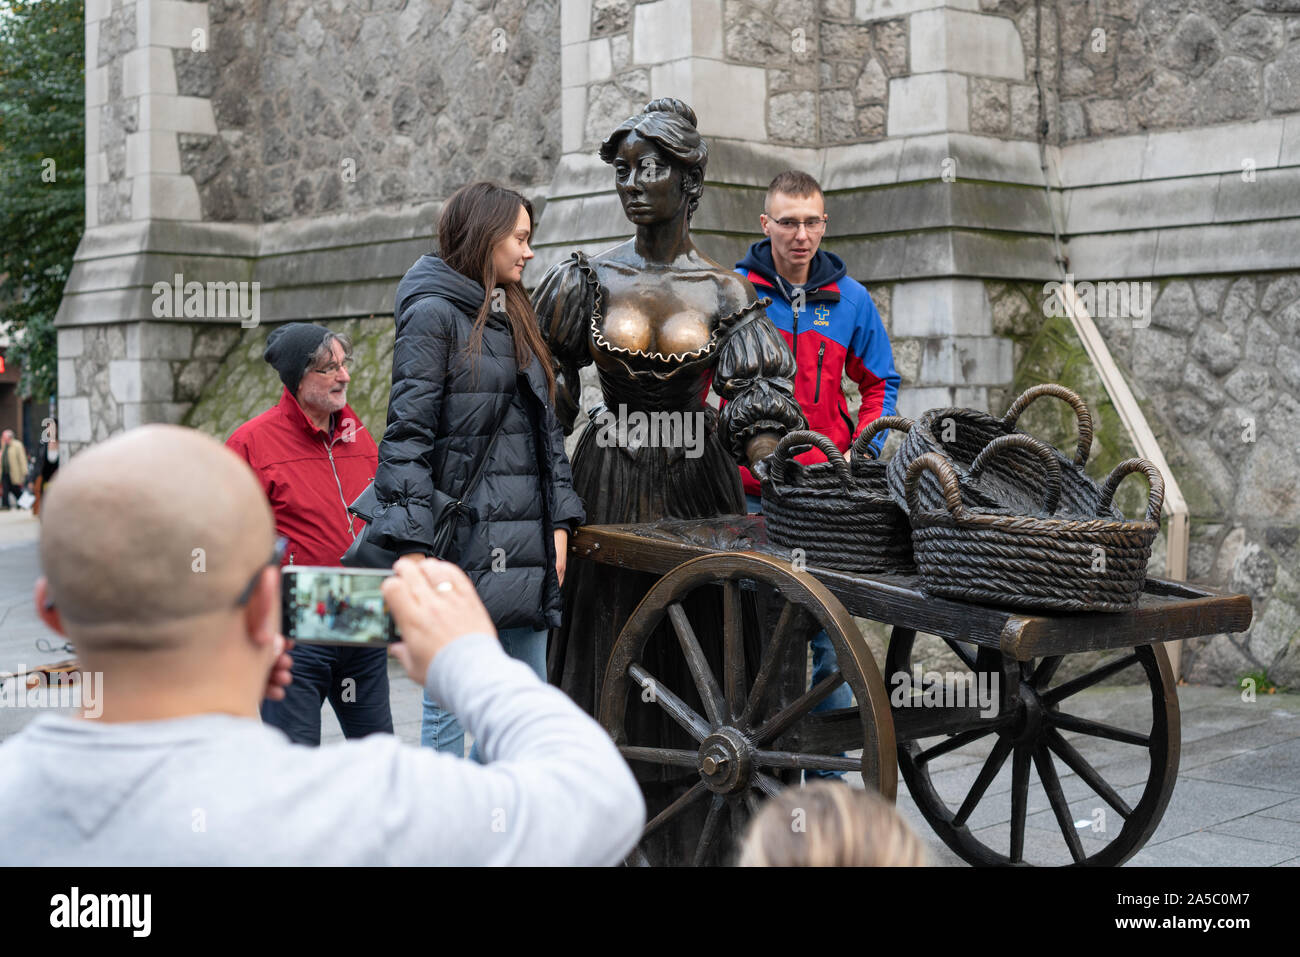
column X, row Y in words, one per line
column 355, row 680
column 442, row 731
column 825, row 664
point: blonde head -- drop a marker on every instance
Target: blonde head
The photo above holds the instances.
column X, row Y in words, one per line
column 829, row 824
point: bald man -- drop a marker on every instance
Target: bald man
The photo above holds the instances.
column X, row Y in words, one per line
column 174, row 599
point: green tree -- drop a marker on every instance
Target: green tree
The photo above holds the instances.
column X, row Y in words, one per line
column 42, row 180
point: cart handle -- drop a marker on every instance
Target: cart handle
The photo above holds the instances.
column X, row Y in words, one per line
column 861, row 445
column 940, row 466
column 1155, row 482
column 1019, row 440
column 1081, row 413
column 783, row 454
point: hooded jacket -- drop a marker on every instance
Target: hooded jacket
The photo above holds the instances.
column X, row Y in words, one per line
column 837, row 331
column 309, row 477
column 441, row 414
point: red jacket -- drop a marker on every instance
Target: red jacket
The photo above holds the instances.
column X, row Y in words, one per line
column 309, row 477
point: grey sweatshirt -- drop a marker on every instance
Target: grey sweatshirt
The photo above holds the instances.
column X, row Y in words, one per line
column 216, row 789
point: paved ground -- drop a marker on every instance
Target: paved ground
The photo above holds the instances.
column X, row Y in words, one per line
column 1237, row 800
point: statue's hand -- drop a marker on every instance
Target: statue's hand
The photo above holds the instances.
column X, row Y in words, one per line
column 761, row 446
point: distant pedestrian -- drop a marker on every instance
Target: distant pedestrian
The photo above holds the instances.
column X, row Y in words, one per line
column 45, row 464
column 13, row 467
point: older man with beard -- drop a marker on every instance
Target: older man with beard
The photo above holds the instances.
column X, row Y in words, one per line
column 313, row 456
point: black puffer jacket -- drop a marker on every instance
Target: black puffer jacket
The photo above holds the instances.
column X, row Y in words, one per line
column 440, row 416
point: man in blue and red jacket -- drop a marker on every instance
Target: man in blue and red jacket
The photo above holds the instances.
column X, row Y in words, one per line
column 826, row 318
column 313, row 456
column 831, row 325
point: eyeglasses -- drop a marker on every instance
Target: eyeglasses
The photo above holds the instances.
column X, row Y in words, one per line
column 277, row 556
column 792, row 225
column 333, row 367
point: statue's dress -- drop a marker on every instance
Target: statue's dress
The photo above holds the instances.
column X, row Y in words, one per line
column 748, row 364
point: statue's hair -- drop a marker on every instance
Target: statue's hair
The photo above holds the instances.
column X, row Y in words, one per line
column 669, row 124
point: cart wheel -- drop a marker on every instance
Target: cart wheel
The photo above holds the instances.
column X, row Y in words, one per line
column 1071, row 820
column 746, row 737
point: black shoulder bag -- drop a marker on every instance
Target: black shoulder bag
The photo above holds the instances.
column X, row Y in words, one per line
column 363, row 553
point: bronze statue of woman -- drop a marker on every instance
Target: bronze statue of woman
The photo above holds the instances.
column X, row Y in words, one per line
column 661, row 321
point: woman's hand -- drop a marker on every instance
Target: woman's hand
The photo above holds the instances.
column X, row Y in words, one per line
column 761, row 446
column 561, row 552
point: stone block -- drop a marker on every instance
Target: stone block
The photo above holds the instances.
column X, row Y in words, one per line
column 152, row 151
column 97, row 10
column 159, row 340
column 1117, row 160
column 599, row 64
column 1239, row 247
column 136, row 414
column 1141, row 205
column 883, row 9
column 659, row 32
column 165, row 196
column 573, row 113
column 958, row 41
column 1289, row 155
column 706, row 28
column 941, row 307
column 729, row 100
column 96, row 87
column 71, row 344
column 1218, row 149
column 966, row 361
column 861, row 164
column 575, row 21
column 169, row 23
column 575, row 64
column 930, row 103
column 67, row 374
column 74, row 418
column 182, row 114
column 1274, row 194
column 148, row 70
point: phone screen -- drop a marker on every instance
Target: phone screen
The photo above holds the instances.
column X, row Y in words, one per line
column 335, row 606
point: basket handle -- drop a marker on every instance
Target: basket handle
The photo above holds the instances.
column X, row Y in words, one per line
column 862, row 443
column 1019, row 440
column 940, row 466
column 1156, row 482
column 783, row 455
column 1081, row 413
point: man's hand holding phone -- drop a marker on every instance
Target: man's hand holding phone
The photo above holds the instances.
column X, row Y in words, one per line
column 433, row 603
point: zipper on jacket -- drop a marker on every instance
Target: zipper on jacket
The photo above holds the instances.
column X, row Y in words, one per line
column 329, row 450
column 821, row 354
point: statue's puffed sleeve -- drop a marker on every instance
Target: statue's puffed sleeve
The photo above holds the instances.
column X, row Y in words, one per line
column 755, row 374
column 564, row 301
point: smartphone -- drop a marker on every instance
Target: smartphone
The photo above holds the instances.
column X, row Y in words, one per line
column 335, row 606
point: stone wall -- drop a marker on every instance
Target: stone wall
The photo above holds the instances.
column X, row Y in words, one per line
column 337, row 107
column 1133, row 65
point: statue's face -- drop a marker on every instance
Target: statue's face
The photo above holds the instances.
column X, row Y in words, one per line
column 651, row 188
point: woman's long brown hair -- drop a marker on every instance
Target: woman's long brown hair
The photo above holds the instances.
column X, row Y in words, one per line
column 475, row 218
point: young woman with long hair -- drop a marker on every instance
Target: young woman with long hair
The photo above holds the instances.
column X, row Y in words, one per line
column 468, row 349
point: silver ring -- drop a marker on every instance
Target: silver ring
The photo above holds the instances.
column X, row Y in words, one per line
column 442, row 586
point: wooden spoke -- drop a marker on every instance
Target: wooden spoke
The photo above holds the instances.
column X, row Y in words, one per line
column 992, row 765
column 708, row 835
column 965, row 654
column 955, row 742
column 733, row 648
column 665, row 756
column 1060, row 807
column 1072, row 722
column 806, row 762
column 785, row 630
column 697, row 790
column 637, row 858
column 1046, row 671
column 705, row 683
column 1019, row 802
column 1076, row 763
column 803, row 705
column 767, row 784
column 1088, row 680
column 677, row 709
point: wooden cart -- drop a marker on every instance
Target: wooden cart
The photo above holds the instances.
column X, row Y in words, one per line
column 749, row 739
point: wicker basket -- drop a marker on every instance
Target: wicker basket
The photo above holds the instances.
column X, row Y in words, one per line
column 841, row 516
column 1015, row 480
column 994, row 556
